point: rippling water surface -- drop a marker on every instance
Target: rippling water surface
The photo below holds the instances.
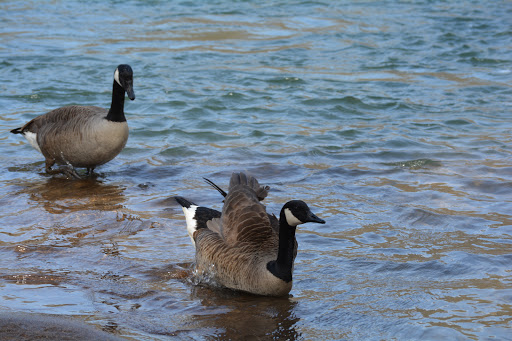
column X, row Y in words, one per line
column 391, row 119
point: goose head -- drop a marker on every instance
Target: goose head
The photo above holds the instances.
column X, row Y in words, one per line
column 124, row 77
column 297, row 212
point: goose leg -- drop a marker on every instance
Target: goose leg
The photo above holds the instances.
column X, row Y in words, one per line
column 90, row 171
column 68, row 170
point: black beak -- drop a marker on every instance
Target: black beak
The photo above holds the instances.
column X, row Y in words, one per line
column 312, row 218
column 129, row 91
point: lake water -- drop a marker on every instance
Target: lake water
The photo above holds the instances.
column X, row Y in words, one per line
column 390, row 119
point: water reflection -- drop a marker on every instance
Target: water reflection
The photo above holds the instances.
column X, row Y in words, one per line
column 34, row 279
column 59, row 195
column 247, row 316
column 219, row 313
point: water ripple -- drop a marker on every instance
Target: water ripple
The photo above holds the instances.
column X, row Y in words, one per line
column 390, row 119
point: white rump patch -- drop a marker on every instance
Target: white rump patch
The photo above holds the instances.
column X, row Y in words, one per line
column 32, row 139
column 190, row 213
column 116, row 77
column 291, row 219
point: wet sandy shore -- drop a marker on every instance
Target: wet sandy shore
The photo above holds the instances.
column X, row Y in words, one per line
column 21, row 326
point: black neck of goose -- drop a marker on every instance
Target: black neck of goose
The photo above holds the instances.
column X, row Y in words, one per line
column 116, row 112
column 283, row 265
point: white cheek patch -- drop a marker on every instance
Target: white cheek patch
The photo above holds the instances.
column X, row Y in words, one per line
column 32, row 139
column 290, row 218
column 116, row 77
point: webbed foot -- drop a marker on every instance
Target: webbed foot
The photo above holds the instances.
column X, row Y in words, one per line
column 67, row 170
column 90, row 171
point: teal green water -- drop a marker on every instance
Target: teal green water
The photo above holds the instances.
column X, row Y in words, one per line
column 391, row 119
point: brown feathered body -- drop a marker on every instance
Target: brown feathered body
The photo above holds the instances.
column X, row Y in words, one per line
column 235, row 249
column 77, row 135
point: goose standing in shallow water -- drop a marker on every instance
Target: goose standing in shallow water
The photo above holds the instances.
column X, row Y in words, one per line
column 241, row 247
column 82, row 136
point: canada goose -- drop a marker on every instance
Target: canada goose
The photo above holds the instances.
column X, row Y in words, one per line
column 82, row 136
column 240, row 248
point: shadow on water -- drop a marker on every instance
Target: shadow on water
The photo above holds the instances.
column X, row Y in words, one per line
column 60, row 195
column 217, row 313
column 247, row 316
column 55, row 212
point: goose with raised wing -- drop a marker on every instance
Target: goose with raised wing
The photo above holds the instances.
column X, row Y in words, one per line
column 82, row 136
column 241, row 248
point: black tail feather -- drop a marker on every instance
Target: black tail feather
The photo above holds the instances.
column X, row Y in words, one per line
column 202, row 214
column 184, row 202
column 17, row 131
column 221, row 191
